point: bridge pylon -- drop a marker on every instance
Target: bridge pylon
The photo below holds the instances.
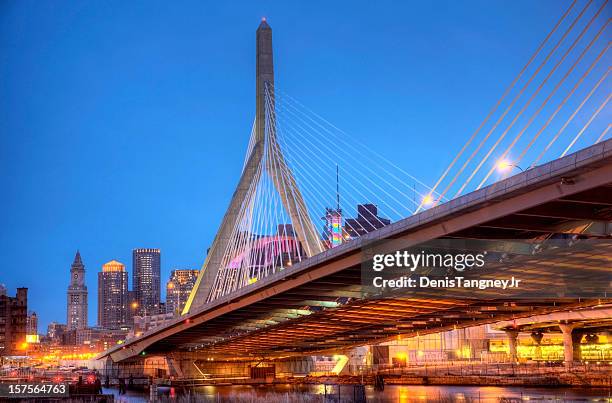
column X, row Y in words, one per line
column 264, row 158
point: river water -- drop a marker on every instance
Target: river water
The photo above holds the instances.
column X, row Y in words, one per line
column 392, row 393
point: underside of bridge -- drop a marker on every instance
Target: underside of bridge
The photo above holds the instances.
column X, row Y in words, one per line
column 591, row 321
column 319, row 306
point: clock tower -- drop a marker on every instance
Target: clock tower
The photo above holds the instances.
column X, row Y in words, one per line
column 76, row 314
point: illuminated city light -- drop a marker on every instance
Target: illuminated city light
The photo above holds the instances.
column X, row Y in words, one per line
column 552, row 351
column 32, row 339
column 505, row 166
column 427, row 201
column 333, row 220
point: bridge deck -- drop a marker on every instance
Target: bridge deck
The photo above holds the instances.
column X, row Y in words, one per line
column 317, row 305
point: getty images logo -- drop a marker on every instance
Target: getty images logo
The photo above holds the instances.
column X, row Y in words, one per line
column 411, row 261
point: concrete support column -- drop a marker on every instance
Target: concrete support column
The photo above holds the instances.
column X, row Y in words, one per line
column 537, row 339
column 571, row 343
column 576, row 338
column 512, row 344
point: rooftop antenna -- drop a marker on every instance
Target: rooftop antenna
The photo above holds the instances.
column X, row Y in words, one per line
column 337, row 188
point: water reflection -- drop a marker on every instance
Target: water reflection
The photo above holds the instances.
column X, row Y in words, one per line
column 346, row 393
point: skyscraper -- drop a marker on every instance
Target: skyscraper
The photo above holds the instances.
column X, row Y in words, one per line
column 178, row 289
column 146, row 264
column 112, row 295
column 76, row 316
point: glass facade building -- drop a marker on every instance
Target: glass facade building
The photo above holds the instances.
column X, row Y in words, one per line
column 146, row 265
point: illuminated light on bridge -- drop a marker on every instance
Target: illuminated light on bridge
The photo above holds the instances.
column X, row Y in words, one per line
column 293, row 292
column 427, row 201
column 505, row 166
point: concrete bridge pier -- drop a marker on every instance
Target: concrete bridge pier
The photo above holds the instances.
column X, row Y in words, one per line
column 537, row 339
column 571, row 343
column 512, row 344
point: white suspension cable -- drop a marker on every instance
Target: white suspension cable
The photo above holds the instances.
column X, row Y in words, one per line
column 553, row 91
column 603, row 105
column 532, row 97
column 570, row 119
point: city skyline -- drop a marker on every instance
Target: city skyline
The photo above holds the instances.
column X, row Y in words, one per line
column 109, row 268
column 151, row 188
column 409, row 194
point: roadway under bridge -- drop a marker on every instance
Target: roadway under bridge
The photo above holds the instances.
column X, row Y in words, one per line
column 319, row 306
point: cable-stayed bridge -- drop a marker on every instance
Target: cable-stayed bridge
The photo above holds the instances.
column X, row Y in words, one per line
column 284, row 274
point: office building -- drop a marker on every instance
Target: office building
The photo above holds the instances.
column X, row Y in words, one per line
column 146, row 265
column 13, row 322
column 143, row 324
column 178, row 288
column 367, row 220
column 113, row 301
column 55, row 331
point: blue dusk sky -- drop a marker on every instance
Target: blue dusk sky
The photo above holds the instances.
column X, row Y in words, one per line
column 123, row 124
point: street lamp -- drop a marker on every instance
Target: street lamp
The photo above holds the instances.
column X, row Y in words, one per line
column 427, row 201
column 505, row 166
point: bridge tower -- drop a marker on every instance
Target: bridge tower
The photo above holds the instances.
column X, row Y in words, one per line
column 264, row 144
